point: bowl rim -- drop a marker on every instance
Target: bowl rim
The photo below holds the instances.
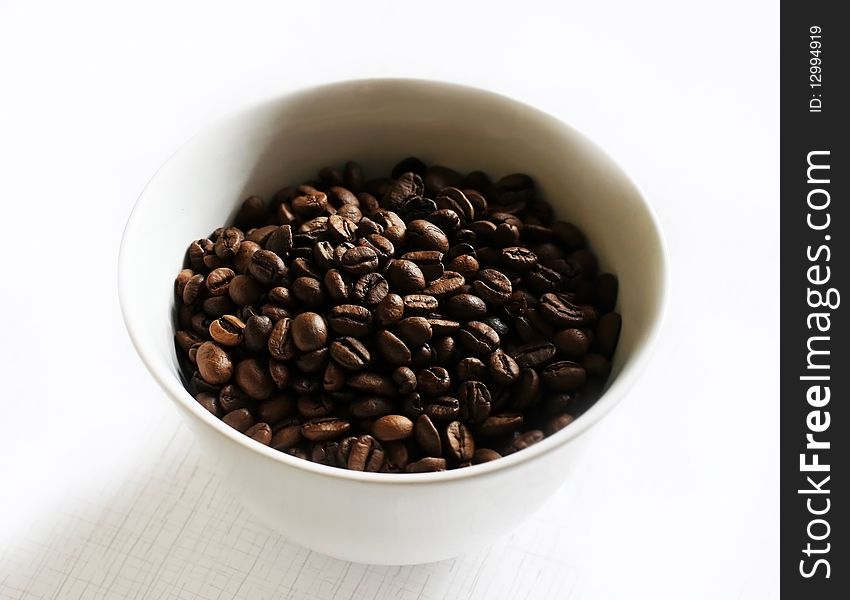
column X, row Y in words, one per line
column 612, row 395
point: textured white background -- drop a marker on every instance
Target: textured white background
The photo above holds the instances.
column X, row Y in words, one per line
column 102, row 492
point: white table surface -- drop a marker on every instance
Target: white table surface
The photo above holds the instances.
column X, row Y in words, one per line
column 103, row 492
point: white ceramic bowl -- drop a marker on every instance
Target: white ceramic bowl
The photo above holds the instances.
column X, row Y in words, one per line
column 373, row 517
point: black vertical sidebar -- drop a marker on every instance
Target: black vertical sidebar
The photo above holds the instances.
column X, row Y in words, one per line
column 815, row 336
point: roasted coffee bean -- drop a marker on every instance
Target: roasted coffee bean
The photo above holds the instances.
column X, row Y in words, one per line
column 323, row 255
column 474, row 401
column 534, row 355
column 256, row 333
column 499, row 325
column 251, row 213
column 527, row 389
column 391, row 428
column 390, row 309
column 492, row 286
column 433, row 381
column 334, row 377
column 483, row 455
column 244, row 290
column 429, row 262
column 471, row 368
column 214, row 364
column 542, row 279
column 240, row 419
column 406, row 185
column 427, row 436
column 414, row 330
column 569, row 235
column 421, row 357
column 219, row 280
column 503, row 369
column 306, row 385
column 210, row 402
column 186, row 339
column 276, row 408
column 438, row 177
column 446, row 219
column 370, row 289
column 428, row 464
column 309, row 332
column 351, row 212
column 260, row 432
column 280, row 241
column 405, row 379
column 556, row 424
column 605, row 292
column 232, row 397
column 227, row 330
column 193, row 289
column 286, row 434
column 380, row 245
column 392, row 349
column 455, row 200
column 417, row 207
column 560, row 311
column 449, row 283
column 420, row 304
column 227, row 243
column 572, row 343
column 281, row 373
column 309, row 203
column 243, row 256
column 350, row 353
column 253, row 377
column 608, row 333
column 499, row 425
column 597, row 366
column 338, row 286
column 441, row 408
column 394, row 226
column 563, row 376
column 326, row 453
column 396, row 457
column 218, row 306
column 371, row 407
column 444, row 347
column 524, row 440
column 315, row 407
column 478, row 337
column 459, row 445
column 350, row 319
column 405, row 276
column 466, row 265
column 273, row 312
column 424, row 235
column 267, row 267
column 313, row 361
column 518, row 258
column 259, row 235
column 366, row 454
column 341, row 229
column 360, row 260
column 326, row 428
column 466, row 307
column 281, row 343
column 309, row 292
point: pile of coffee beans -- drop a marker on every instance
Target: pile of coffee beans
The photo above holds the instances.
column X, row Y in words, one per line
column 425, row 321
